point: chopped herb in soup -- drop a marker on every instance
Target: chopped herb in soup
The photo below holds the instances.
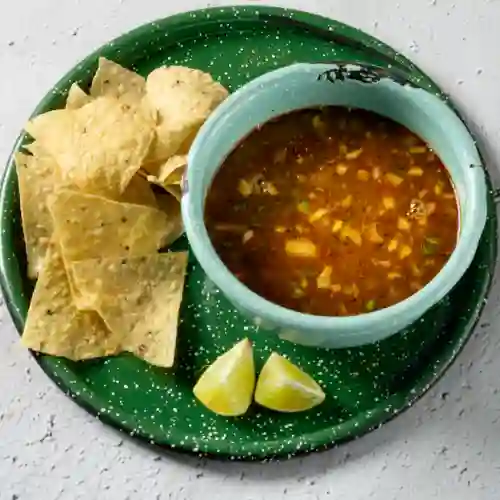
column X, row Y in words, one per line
column 333, row 212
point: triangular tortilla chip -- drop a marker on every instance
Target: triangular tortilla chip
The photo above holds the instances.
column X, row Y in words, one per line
column 170, row 171
column 172, row 209
column 76, row 97
column 38, row 177
column 54, row 325
column 36, row 150
column 175, row 190
column 89, row 226
column 98, row 147
column 138, row 191
column 113, row 80
column 181, row 154
column 183, row 98
column 140, row 296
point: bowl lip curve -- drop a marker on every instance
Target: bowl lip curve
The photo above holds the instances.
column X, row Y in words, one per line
column 409, row 309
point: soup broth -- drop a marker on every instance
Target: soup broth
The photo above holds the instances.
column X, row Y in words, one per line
column 333, row 212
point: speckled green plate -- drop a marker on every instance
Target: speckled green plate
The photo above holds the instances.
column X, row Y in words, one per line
column 365, row 386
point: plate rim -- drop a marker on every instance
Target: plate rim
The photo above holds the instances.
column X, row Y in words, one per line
column 298, row 445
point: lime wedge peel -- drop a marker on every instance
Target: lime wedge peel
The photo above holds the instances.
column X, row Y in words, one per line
column 284, row 387
column 227, row 385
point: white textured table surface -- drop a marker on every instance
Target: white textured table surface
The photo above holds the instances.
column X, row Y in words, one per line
column 444, row 447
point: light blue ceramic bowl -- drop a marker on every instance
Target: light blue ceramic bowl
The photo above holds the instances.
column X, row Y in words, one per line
column 308, row 85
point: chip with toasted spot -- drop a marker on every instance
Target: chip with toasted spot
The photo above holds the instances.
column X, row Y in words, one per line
column 140, row 296
column 55, row 326
column 38, row 177
column 90, row 226
column 171, row 208
column 113, row 80
column 98, row 147
column 170, row 171
column 183, row 98
column 138, row 191
column 153, row 168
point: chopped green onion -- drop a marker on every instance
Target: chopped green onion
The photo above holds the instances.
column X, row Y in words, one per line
column 370, row 305
column 430, row 246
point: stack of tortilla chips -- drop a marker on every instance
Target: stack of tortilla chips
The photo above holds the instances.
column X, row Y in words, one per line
column 93, row 226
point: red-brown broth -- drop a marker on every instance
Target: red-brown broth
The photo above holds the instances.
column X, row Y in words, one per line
column 333, row 212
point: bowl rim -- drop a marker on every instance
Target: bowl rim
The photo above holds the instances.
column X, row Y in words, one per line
column 262, row 309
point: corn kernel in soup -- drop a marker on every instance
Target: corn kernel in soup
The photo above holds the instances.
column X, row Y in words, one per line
column 333, row 212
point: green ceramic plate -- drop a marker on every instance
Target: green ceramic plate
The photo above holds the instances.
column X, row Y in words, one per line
column 365, row 386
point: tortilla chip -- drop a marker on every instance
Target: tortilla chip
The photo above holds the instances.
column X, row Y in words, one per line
column 38, row 177
column 153, row 168
column 165, row 144
column 43, row 127
column 183, row 98
column 175, row 190
column 98, row 147
column 170, row 171
column 113, row 80
column 172, row 209
column 89, row 226
column 140, row 296
column 76, row 97
column 35, row 149
column 54, row 325
column 183, row 95
column 139, row 192
column 81, row 302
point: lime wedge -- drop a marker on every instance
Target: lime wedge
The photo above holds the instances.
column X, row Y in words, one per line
column 284, row 387
column 226, row 387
